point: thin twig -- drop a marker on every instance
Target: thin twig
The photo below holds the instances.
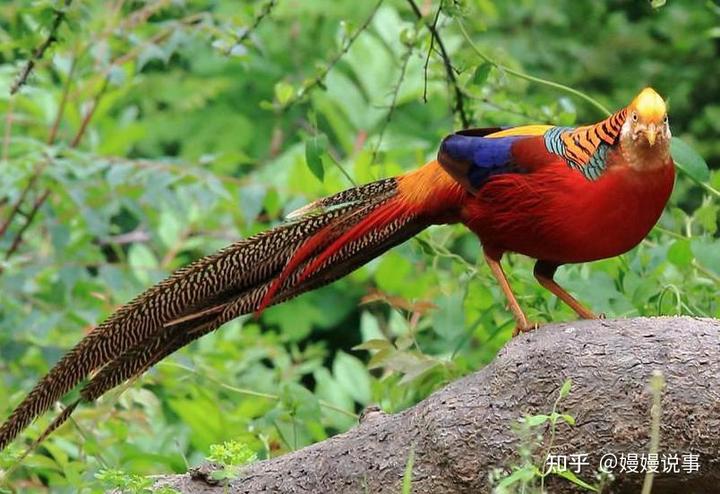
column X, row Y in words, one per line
column 138, row 235
column 450, row 71
column 657, row 383
column 319, row 78
column 16, row 207
column 250, row 392
column 158, row 37
column 63, row 101
column 86, row 437
column 331, row 153
column 264, row 12
column 86, row 120
column 342, row 169
column 181, row 168
column 505, row 109
column 528, row 77
column 9, row 119
column 141, row 15
column 429, row 54
column 17, row 240
column 31, row 215
column 393, row 102
column 40, row 50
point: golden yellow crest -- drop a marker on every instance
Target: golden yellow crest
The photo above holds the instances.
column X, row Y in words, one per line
column 649, row 106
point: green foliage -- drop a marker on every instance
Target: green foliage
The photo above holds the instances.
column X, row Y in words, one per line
column 537, row 436
column 154, row 134
column 689, row 161
column 407, row 476
column 231, row 455
column 130, row 483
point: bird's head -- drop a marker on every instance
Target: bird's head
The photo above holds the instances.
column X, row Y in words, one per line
column 646, row 121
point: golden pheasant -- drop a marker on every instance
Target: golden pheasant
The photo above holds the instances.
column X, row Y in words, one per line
column 559, row 195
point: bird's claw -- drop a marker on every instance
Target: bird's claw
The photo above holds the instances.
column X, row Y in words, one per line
column 525, row 328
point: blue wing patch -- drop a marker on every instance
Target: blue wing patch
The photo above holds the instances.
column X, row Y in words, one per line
column 477, row 158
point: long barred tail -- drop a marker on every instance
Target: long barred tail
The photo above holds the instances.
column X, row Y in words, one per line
column 325, row 241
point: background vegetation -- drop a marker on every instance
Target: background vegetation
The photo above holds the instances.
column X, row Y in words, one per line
column 150, row 133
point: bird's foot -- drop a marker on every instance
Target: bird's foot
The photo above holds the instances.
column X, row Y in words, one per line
column 525, row 328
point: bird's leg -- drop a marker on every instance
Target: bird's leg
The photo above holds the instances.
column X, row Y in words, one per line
column 497, row 271
column 544, row 272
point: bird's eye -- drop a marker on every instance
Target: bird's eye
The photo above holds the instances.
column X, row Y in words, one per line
column 634, row 117
column 665, row 120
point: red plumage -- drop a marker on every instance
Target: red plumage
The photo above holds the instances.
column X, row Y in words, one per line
column 554, row 213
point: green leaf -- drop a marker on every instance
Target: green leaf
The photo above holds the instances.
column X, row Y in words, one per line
column 315, row 148
column 408, row 36
column 656, row 4
column 481, row 74
column 680, row 253
column 300, row 402
column 170, row 228
column 142, row 261
column 536, row 420
column 419, row 369
column 424, row 245
column 707, row 216
column 232, row 453
column 407, row 476
column 374, row 344
column 352, row 375
column 565, row 389
column 689, row 161
column 519, row 476
column 569, row 419
column 707, row 253
column 380, row 358
column 284, row 92
column 449, row 319
column 570, row 475
column 327, row 388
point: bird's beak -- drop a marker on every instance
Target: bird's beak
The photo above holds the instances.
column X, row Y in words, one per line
column 651, row 134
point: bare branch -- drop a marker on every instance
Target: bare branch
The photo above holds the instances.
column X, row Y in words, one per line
column 319, row 78
column 461, row 433
column 393, row 103
column 40, row 50
column 28, row 220
column 16, row 206
column 449, row 70
column 264, row 12
column 88, row 116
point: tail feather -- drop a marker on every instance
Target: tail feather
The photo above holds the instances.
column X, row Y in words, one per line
column 320, row 240
column 236, row 267
column 363, row 193
column 140, row 358
column 350, row 229
column 375, row 222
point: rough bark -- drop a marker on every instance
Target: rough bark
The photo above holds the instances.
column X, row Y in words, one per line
column 463, row 431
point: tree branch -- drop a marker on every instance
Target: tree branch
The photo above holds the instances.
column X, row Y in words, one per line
column 320, row 76
column 30, row 216
column 40, row 50
column 462, row 432
column 450, row 71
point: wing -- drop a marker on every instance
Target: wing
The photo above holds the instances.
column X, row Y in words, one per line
column 472, row 156
column 585, row 148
